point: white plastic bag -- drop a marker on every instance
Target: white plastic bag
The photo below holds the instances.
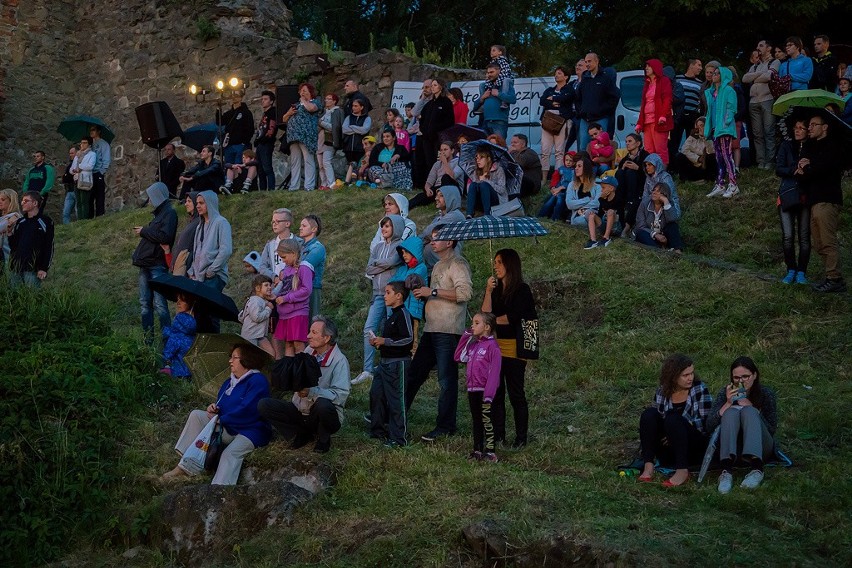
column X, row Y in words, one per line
column 193, row 458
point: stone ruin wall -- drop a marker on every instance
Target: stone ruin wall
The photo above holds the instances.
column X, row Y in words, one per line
column 60, row 58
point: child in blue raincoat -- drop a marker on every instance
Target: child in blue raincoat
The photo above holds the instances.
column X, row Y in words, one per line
column 179, row 338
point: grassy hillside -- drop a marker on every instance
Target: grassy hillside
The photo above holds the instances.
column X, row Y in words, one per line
column 608, row 318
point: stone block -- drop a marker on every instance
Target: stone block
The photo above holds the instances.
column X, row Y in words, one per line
column 308, row 47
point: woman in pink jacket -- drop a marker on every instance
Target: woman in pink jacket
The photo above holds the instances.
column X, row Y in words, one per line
column 655, row 115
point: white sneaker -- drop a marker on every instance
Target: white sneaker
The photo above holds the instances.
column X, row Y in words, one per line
column 752, row 479
column 364, row 376
column 731, row 191
column 726, row 483
column 718, row 190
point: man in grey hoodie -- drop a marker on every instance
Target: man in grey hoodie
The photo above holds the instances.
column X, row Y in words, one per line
column 150, row 257
column 448, row 202
column 384, row 259
column 212, row 246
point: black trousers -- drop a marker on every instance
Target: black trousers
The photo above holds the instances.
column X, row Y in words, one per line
column 671, row 439
column 321, row 422
column 481, row 422
column 512, row 372
column 97, row 196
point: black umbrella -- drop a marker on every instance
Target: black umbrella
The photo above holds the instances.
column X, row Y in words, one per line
column 200, row 135
column 301, row 371
column 514, row 173
column 452, row 133
column 213, row 302
column 838, row 130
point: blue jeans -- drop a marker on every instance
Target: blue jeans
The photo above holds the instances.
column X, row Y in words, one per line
column 265, row 175
column 436, row 350
column 70, row 205
column 483, row 192
column 151, row 302
column 234, row 154
column 375, row 317
column 672, row 233
column 553, row 207
column 583, row 134
column 25, row 278
column 500, row 127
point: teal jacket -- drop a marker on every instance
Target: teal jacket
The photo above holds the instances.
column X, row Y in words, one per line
column 721, row 110
column 414, row 245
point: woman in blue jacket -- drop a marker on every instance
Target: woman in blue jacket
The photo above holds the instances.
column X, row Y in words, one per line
column 798, row 66
column 721, row 127
column 243, row 428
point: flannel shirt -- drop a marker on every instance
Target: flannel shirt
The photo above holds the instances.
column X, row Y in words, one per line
column 699, row 401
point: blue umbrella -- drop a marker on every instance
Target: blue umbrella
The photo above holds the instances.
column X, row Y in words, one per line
column 200, row 135
column 75, row 128
column 514, row 172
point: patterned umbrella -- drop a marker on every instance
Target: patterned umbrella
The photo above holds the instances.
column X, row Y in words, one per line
column 208, row 359
column 489, row 227
column 514, row 172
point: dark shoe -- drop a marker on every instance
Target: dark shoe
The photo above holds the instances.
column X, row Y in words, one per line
column 300, row 441
column 829, row 285
column 433, row 435
column 322, row 447
column 391, row 445
column 519, row 443
column 368, row 418
column 475, row 455
column 590, row 245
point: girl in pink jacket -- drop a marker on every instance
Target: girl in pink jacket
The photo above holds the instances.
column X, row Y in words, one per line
column 480, row 351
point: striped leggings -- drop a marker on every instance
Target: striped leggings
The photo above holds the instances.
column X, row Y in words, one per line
column 725, row 159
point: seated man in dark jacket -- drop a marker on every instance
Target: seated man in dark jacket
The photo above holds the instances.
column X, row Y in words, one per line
column 207, row 174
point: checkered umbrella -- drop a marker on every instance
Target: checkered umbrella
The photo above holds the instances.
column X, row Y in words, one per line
column 489, row 227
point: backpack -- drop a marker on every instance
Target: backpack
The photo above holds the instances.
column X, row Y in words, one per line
column 779, row 85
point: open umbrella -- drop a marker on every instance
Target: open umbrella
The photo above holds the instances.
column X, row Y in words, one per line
column 214, row 302
column 490, row 227
column 208, row 359
column 74, row 128
column 514, row 172
column 200, row 135
column 838, row 130
column 452, row 133
column 811, row 98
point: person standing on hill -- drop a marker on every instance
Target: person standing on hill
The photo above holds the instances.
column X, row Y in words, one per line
column 238, row 123
column 313, row 253
column 721, row 127
column 264, row 141
column 597, row 98
column 798, row 66
column 691, row 105
column 825, row 66
column 69, row 205
column 760, row 105
column 103, row 159
column 352, row 94
column 171, row 168
column 40, row 178
column 655, row 115
column 31, row 243
column 150, row 257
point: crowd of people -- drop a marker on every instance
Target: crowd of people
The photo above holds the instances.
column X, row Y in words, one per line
column 421, row 284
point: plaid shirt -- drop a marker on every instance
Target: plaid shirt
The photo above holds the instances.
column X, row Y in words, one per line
column 698, row 404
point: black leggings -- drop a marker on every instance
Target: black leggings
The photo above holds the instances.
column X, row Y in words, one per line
column 673, row 440
column 512, row 372
column 796, row 223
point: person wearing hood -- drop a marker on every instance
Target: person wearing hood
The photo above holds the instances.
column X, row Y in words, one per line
column 600, row 149
column 445, row 171
column 150, row 257
column 655, row 172
column 656, row 118
column 383, row 261
column 395, row 204
column 720, row 126
column 413, row 272
column 182, row 250
column 448, row 203
column 212, row 246
column 630, row 174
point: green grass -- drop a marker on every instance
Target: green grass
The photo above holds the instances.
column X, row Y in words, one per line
column 608, row 318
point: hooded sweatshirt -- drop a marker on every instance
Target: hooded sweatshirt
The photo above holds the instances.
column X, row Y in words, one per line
column 413, row 245
column 452, row 214
column 482, row 355
column 410, row 225
column 212, row 246
column 660, row 175
column 721, row 108
column 160, row 231
column 384, row 258
column 662, row 99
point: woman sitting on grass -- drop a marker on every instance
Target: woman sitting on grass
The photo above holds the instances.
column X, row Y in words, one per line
column 243, row 428
column 747, row 414
column 673, row 430
column 656, row 220
column 582, row 195
column 389, row 165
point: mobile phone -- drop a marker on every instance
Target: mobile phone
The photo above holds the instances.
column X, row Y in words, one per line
column 371, row 334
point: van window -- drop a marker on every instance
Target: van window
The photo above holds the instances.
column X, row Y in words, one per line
column 631, row 92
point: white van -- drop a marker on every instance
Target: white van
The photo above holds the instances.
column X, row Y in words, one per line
column 524, row 114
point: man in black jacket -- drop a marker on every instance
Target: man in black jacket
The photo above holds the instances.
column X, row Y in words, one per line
column 155, row 241
column 171, row 167
column 353, row 92
column 596, row 99
column 31, row 243
column 819, row 172
column 238, row 123
column 207, row 174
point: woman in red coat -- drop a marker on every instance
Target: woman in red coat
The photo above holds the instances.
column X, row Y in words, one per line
column 655, row 114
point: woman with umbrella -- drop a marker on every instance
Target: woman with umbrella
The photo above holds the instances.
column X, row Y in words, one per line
column 488, row 183
column 511, row 301
column 793, row 213
column 243, row 429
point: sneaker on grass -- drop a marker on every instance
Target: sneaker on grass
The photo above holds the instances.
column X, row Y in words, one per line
column 830, row 285
column 791, row 276
column 732, row 191
column 590, row 244
column 752, row 479
column 364, row 376
column 604, row 242
column 726, row 483
column 718, row 190
column 801, row 278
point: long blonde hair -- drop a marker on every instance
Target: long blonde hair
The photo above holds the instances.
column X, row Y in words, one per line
column 291, row 246
column 14, row 206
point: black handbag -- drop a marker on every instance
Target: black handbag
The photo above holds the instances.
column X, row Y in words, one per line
column 214, row 449
column 789, row 195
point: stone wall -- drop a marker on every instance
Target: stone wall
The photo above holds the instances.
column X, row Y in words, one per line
column 53, row 65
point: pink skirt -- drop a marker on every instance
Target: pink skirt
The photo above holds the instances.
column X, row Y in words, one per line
column 292, row 329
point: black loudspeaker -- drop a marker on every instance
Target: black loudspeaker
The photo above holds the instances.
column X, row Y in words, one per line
column 157, row 124
column 285, row 95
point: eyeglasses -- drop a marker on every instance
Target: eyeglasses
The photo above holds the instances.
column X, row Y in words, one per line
column 232, row 358
column 27, row 200
column 741, row 378
column 816, row 124
column 277, row 221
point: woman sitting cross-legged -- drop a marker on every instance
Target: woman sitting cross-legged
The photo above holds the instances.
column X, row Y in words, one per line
column 488, row 184
column 656, row 220
column 673, row 430
column 243, row 428
column 746, row 412
column 389, row 163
